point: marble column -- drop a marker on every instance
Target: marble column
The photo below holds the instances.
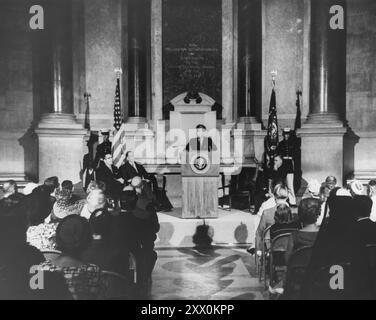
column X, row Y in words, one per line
column 138, row 22
column 249, row 81
column 323, row 133
column 156, row 80
column 227, row 60
column 60, row 137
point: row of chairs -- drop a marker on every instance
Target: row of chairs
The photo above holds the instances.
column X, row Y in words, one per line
column 118, row 286
column 272, row 253
column 298, row 262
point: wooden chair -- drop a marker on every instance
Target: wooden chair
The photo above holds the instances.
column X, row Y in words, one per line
column 277, row 253
column 116, row 286
column 224, row 190
column 261, row 261
column 51, row 254
column 296, row 268
column 237, row 189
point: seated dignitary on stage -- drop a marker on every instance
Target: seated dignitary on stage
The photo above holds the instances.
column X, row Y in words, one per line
column 131, row 169
column 109, row 174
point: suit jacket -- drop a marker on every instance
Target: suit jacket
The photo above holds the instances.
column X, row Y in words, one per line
column 113, row 187
column 206, row 145
column 127, row 171
column 365, row 230
column 102, row 149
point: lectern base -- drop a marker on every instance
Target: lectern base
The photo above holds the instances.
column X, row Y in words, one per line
column 200, row 197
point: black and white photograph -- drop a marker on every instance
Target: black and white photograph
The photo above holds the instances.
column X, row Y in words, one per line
column 187, row 154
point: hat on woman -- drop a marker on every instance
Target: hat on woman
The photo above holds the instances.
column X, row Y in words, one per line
column 73, row 234
column 64, row 205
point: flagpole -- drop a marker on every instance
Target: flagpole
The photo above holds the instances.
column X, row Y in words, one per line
column 274, row 75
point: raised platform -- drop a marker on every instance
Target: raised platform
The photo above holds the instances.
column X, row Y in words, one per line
column 233, row 227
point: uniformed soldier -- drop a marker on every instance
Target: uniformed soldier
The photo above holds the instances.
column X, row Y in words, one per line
column 104, row 148
column 285, row 149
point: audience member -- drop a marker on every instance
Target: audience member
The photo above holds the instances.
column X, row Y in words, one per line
column 16, row 256
column 282, row 220
column 336, row 244
column 142, row 225
column 39, row 203
column 105, row 250
column 308, row 211
column 10, row 190
column 29, row 187
column 73, row 236
column 372, row 194
column 280, row 195
column 93, row 185
column 365, row 228
column 65, row 204
column 95, row 200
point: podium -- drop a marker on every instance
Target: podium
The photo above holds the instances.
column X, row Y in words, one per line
column 200, row 185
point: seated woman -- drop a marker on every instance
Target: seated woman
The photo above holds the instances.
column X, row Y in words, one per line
column 308, row 212
column 73, row 236
column 280, row 196
column 283, row 220
column 65, row 205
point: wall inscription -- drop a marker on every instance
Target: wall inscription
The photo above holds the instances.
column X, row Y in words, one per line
column 192, row 48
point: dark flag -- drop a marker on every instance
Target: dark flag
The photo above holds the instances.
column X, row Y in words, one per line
column 272, row 134
column 298, row 122
column 87, row 112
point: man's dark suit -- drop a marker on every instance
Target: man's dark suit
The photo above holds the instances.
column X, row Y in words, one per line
column 102, row 149
column 206, row 145
column 113, row 187
column 366, row 231
column 128, row 172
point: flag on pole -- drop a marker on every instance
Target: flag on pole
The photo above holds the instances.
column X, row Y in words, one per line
column 272, row 134
column 118, row 144
column 87, row 111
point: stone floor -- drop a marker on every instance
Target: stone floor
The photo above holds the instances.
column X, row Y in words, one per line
column 218, row 273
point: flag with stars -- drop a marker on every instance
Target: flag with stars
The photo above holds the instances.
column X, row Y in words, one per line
column 118, row 144
column 117, row 112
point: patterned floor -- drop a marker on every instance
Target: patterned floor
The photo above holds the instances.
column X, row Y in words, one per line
column 211, row 274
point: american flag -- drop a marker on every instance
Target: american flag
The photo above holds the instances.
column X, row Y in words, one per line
column 118, row 144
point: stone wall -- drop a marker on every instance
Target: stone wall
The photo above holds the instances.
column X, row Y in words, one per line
column 283, row 31
column 361, row 82
column 16, row 90
column 102, row 54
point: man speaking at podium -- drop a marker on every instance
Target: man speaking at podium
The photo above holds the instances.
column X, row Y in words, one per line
column 201, row 142
column 200, row 177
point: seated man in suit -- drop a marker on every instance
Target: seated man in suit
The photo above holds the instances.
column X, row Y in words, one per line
column 109, row 174
column 131, row 169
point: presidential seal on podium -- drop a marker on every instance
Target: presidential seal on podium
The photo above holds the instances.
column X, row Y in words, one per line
column 200, row 163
